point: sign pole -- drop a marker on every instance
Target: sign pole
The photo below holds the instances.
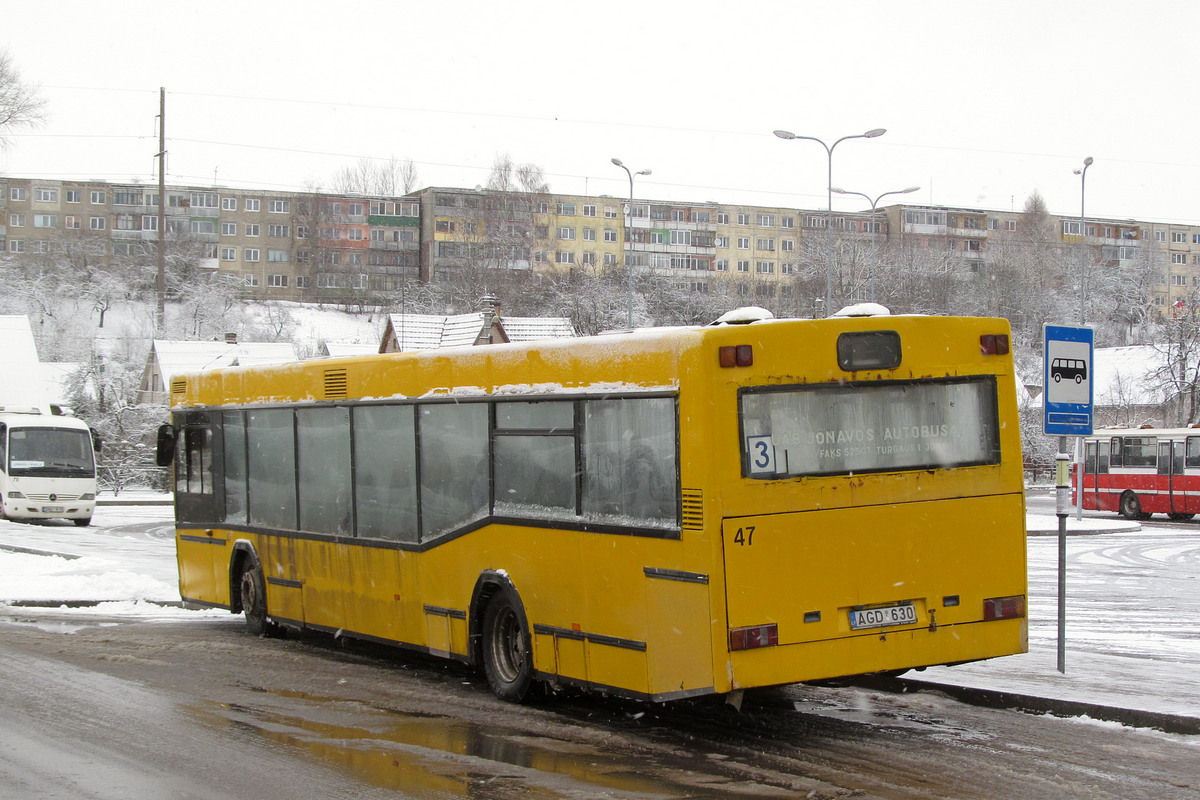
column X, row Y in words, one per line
column 1067, row 404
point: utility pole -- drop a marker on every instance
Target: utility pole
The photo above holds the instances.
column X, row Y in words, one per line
column 161, row 283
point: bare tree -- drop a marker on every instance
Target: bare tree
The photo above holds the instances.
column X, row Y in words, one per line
column 21, row 105
column 376, row 177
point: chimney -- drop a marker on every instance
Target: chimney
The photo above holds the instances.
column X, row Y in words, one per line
column 490, row 303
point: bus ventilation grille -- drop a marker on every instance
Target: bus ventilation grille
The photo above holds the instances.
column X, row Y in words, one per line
column 179, row 386
column 335, row 383
column 693, row 509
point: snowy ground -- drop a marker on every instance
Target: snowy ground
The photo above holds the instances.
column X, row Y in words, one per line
column 1133, row 592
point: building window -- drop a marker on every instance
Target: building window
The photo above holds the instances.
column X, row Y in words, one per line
column 97, row 223
column 277, row 281
column 71, row 222
column 743, row 243
column 204, row 226
column 721, row 241
column 203, row 200
column 722, row 265
column 566, row 233
column 1010, row 225
column 589, row 234
column 45, row 220
column 766, row 267
column 301, row 281
column 589, row 211
column 356, row 210
column 253, row 229
column 279, row 206
column 1070, row 228
column 743, row 219
column 787, row 222
column 124, row 222
column 974, row 245
column 610, row 235
column 743, row 266
column 565, row 257
column 610, row 212
column 589, row 259
column 229, row 254
column 765, row 244
column 444, row 226
column 1179, row 280
column 45, row 195
column 1178, row 237
column 722, row 218
column 229, row 204
column 681, row 237
column 610, row 259
column 658, row 237
column 355, row 234
column 565, row 209
column 278, row 231
column 766, row 220
column 251, row 254
column 18, row 194
column 701, row 217
column 788, row 245
column 251, row 279
column 16, row 246
column 1178, row 258
column 277, row 256
column 127, row 197
column 253, row 204
column 73, row 195
column 149, row 222
column 16, row 220
column 872, row 226
column 1160, row 236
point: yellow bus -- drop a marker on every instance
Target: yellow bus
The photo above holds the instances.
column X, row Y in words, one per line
column 656, row 514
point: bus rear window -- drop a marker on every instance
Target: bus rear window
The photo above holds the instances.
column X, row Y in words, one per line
column 885, row 426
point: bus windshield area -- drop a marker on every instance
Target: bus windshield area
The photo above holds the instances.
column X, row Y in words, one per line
column 50, row 453
column 850, row 428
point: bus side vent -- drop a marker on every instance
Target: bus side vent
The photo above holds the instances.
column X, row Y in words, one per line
column 335, row 383
column 693, row 509
column 179, row 386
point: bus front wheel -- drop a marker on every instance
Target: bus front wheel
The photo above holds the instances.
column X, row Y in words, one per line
column 254, row 601
column 507, row 654
column 1131, row 507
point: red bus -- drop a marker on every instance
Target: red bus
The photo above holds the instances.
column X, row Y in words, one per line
column 1142, row 471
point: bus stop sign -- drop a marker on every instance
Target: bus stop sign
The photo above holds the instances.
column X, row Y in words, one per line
column 1067, row 376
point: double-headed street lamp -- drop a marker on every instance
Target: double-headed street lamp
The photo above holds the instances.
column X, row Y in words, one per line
column 871, row 134
column 628, row 235
column 874, row 225
column 1082, row 173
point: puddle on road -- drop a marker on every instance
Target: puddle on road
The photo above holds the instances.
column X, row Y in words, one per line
column 436, row 756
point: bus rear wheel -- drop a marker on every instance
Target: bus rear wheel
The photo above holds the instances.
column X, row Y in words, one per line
column 254, row 601
column 1179, row 516
column 1131, row 507
column 507, row 654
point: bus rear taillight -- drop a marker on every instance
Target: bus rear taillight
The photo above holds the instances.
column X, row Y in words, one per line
column 754, row 636
column 994, row 344
column 1004, row 607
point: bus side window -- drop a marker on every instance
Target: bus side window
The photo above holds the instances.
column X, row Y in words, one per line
column 3, row 447
column 1115, row 449
column 195, row 493
column 1089, row 458
column 1192, row 459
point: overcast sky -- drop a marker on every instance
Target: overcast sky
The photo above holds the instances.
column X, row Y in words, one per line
column 983, row 103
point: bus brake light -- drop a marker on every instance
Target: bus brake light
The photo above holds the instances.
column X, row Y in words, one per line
column 1004, row 607
column 993, row 344
column 754, row 636
column 741, row 355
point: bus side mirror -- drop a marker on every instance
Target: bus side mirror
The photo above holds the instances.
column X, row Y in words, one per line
column 97, row 442
column 165, row 451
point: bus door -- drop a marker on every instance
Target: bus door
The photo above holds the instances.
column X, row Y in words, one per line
column 1095, row 470
column 1188, row 475
column 1165, row 484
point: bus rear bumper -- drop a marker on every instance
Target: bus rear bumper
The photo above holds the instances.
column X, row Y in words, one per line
column 881, row 651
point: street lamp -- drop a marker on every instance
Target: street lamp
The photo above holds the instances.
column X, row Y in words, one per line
column 871, row 134
column 628, row 237
column 1082, row 173
column 874, row 228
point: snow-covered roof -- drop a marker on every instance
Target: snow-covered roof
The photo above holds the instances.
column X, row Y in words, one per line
column 407, row 332
column 342, row 349
column 18, row 363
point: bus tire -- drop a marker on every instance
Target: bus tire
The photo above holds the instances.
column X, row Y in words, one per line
column 1131, row 507
column 507, row 652
column 254, row 601
column 1179, row 516
column 82, row 523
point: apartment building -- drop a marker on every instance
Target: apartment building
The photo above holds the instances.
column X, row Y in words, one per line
column 324, row 246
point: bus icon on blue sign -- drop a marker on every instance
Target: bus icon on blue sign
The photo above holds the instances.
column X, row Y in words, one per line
column 1071, row 369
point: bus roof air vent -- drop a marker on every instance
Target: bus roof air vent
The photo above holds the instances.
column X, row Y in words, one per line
column 864, row 310
column 743, row 316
